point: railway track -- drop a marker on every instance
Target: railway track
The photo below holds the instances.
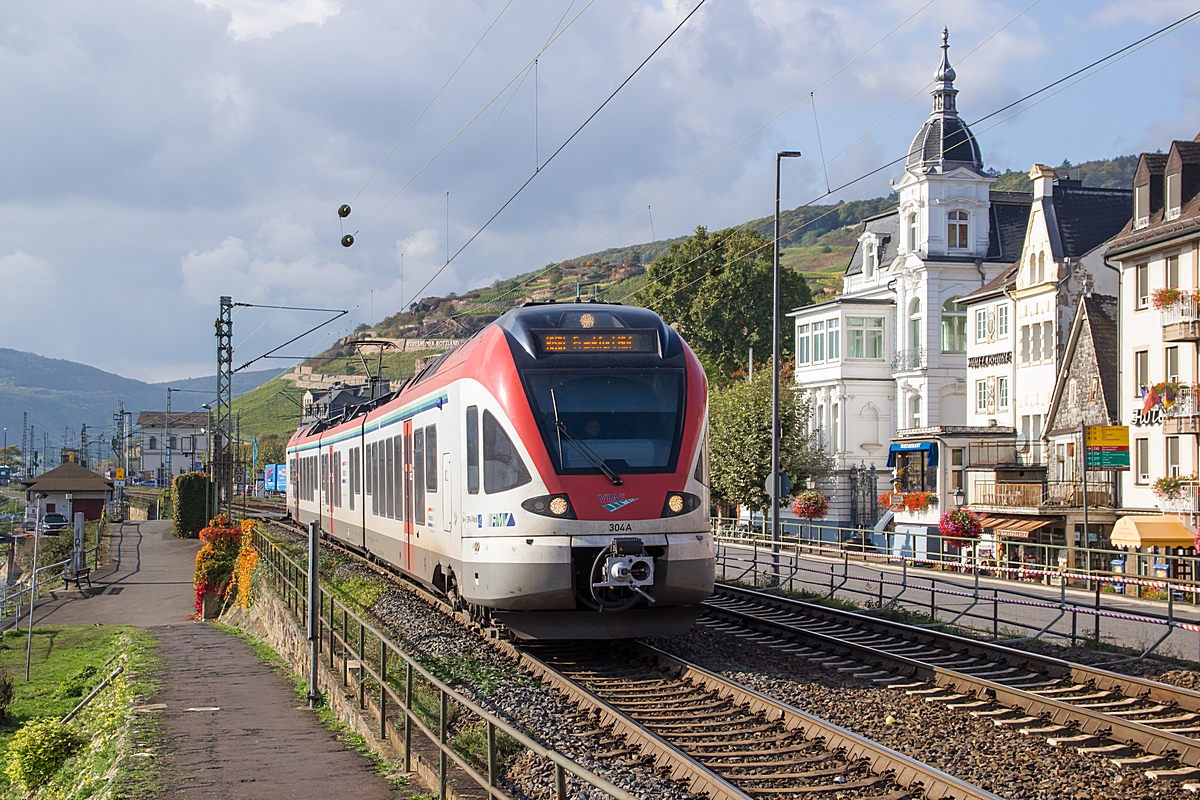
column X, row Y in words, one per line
column 723, row 739
column 1094, row 710
column 713, row 735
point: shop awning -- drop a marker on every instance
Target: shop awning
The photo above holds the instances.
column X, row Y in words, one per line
column 929, row 448
column 1016, row 527
column 1163, row 530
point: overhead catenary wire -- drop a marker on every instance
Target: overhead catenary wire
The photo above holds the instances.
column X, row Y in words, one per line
column 1095, row 67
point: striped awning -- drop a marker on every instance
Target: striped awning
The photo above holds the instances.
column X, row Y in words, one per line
column 1016, row 527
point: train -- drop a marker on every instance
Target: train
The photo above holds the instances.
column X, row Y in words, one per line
column 549, row 475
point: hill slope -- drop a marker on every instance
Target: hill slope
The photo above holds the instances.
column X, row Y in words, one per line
column 60, row 394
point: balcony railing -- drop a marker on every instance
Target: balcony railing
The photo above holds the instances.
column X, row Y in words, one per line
column 1186, row 506
column 1052, row 494
column 1004, row 454
column 910, row 359
column 1180, row 317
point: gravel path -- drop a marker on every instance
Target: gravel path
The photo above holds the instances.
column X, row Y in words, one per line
column 1001, row 761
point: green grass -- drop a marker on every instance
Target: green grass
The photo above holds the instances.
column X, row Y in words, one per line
column 268, row 410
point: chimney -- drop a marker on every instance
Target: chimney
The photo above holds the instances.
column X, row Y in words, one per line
column 1043, row 181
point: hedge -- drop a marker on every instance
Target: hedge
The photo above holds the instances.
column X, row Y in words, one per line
column 191, row 492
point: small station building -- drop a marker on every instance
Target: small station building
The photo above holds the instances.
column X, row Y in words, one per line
column 69, row 489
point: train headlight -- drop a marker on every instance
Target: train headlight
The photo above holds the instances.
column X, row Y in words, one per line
column 679, row 503
column 551, row 505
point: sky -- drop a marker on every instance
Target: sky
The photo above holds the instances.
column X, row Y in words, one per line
column 158, row 154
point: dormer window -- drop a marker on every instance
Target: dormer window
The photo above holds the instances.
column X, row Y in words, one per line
column 956, row 230
column 1141, row 206
column 871, row 257
column 1173, row 196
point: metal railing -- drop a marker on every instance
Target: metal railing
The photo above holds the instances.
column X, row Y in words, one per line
column 996, row 454
column 1185, row 309
column 910, row 359
column 1149, row 575
column 1185, row 404
column 392, row 687
column 1057, row 494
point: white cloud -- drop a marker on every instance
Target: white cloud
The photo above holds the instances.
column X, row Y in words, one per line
column 259, row 19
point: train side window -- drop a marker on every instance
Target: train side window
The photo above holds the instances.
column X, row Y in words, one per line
column 390, row 473
column 353, row 476
column 472, row 450
column 399, row 475
column 431, row 459
column 372, row 486
column 419, row 476
column 503, row 468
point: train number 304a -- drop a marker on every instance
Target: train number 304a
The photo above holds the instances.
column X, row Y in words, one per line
column 619, row 526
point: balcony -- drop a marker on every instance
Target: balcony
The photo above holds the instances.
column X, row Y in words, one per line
column 1184, row 414
column 1052, row 494
column 1185, row 505
column 909, row 360
column 1180, row 315
column 1004, row 454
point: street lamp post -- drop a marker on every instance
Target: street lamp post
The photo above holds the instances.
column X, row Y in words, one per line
column 208, row 456
column 774, row 479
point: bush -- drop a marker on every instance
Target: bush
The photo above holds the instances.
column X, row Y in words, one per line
column 191, row 492
column 215, row 561
column 37, row 750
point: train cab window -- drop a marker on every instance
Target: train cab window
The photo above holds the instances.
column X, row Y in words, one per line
column 632, row 419
column 419, row 476
column 472, row 450
column 389, row 472
column 503, row 468
column 431, row 459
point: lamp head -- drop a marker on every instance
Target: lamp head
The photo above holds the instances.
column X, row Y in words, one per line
column 789, row 154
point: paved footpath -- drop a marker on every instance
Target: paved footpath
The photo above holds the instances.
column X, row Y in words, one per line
column 231, row 726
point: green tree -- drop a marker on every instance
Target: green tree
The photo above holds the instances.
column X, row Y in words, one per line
column 739, row 440
column 716, row 290
column 10, row 456
column 271, row 450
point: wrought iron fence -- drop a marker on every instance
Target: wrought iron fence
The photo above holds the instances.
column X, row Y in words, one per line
column 910, row 359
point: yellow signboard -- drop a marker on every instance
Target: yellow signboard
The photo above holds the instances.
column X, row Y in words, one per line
column 120, row 473
column 1108, row 436
column 1107, row 447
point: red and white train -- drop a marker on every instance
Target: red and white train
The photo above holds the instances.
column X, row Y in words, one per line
column 550, row 473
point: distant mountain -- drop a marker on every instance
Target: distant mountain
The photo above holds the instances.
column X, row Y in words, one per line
column 61, row 395
column 1114, row 173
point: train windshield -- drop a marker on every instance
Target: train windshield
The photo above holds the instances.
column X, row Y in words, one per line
column 631, row 419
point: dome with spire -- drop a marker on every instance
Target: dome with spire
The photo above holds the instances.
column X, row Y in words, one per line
column 944, row 139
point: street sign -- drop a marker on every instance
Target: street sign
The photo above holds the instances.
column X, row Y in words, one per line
column 1107, row 447
column 785, row 485
column 120, row 473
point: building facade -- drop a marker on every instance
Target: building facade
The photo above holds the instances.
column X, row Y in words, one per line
column 181, row 438
column 890, row 394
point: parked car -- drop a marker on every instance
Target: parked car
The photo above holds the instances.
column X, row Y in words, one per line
column 53, row 523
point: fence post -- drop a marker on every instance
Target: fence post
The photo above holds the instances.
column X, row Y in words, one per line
column 491, row 758
column 383, row 695
column 560, row 781
column 995, row 613
column 362, row 660
column 442, row 750
column 1097, row 634
column 314, row 615
column 408, row 702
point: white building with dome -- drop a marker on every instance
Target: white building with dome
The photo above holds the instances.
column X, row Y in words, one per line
column 885, row 362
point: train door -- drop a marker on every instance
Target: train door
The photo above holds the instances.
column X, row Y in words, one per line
column 408, row 496
column 447, row 508
column 334, row 476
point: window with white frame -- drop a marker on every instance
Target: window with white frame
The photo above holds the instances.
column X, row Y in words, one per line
column 912, row 233
column 1141, row 458
column 833, row 339
column 1141, row 371
column 818, row 341
column 1142, row 295
column 1172, row 363
column 864, row 337
column 980, row 397
column 1002, row 393
column 914, row 411
column 871, row 259
column 1173, row 456
column 981, row 325
column 803, row 345
column 954, row 327
column 915, row 325
column 956, row 230
column 1173, row 196
column 1141, row 206
column 1024, row 344
column 1035, row 342
column 1001, row 321
column 1073, row 393
column 1047, row 341
column 1172, row 272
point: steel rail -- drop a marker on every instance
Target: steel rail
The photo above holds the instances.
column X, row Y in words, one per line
column 906, row 771
column 1157, row 741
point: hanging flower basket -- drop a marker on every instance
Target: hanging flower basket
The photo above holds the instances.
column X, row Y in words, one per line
column 1163, row 298
column 810, row 505
column 960, row 525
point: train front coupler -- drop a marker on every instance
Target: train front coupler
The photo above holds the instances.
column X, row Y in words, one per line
column 626, row 565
